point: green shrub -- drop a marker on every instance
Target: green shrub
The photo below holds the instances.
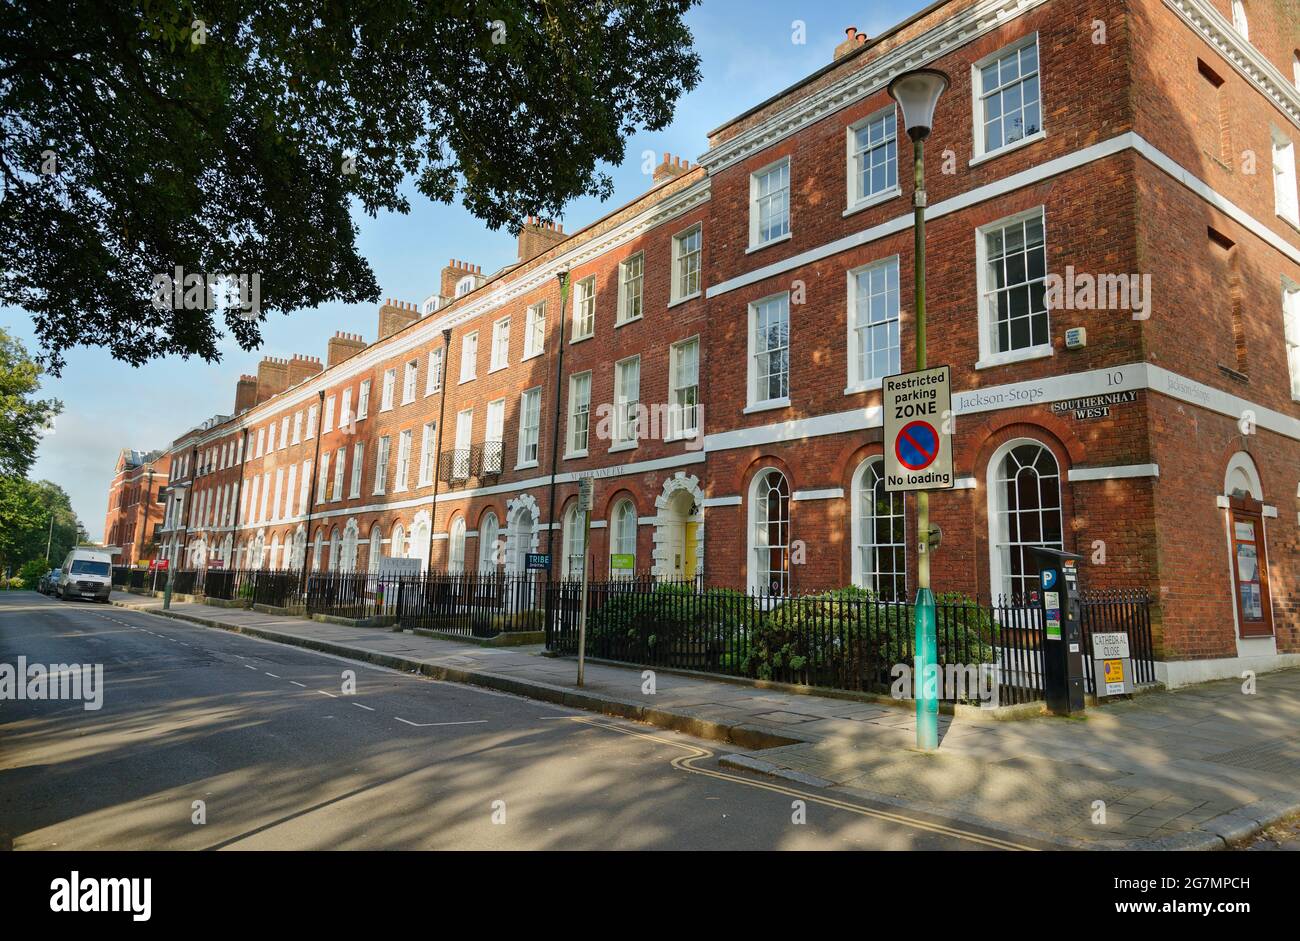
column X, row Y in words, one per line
column 847, row 639
column 31, row 571
column 673, row 624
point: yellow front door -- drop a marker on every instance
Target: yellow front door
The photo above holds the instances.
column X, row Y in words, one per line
column 688, row 549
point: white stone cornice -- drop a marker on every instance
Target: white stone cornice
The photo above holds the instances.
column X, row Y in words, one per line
column 1211, row 26
column 952, row 33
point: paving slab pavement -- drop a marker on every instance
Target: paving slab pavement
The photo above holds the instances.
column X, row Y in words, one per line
column 1192, row 768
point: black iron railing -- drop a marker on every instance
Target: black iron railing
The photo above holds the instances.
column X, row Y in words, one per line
column 844, row 639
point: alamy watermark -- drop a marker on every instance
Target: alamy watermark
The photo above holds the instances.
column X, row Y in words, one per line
column 57, row 681
column 197, row 291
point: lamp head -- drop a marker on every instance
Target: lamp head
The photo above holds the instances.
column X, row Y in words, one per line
column 917, row 93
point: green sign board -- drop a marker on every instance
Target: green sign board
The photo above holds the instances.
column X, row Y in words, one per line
column 622, row 560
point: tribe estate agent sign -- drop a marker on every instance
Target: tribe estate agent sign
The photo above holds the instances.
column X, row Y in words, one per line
column 918, row 430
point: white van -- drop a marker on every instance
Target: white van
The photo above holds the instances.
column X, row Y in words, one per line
column 87, row 573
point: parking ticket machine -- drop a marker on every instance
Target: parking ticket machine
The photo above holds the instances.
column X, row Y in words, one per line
column 1063, row 654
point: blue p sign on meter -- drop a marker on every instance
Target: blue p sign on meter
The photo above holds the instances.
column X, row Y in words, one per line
column 918, row 430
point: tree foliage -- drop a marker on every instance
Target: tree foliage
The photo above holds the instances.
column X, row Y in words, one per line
column 234, row 136
column 26, row 508
column 23, row 418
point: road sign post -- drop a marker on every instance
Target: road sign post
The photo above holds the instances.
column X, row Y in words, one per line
column 918, row 457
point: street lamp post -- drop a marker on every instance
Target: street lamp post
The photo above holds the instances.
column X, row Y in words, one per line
column 917, row 93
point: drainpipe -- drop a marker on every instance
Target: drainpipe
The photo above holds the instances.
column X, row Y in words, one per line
column 315, row 475
column 563, row 278
column 437, row 454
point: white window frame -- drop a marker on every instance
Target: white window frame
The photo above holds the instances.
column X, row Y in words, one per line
column 494, row 432
column 680, row 262
column 323, row 481
column 579, row 411
column 534, row 330
column 340, row 469
column 620, row 542
column 311, row 423
column 389, row 389
column 456, row 547
column 677, row 427
column 297, row 428
column 861, row 380
column 753, row 402
column 383, row 448
column 358, row 463
column 1291, row 332
column 469, row 356
column 363, row 399
column 757, row 238
column 1000, row 548
column 627, row 401
column 284, row 432
column 345, row 407
column 500, row 355
column 529, row 434
column 433, row 372
column 428, row 452
column 1286, row 193
column 584, row 309
column 989, row 356
column 755, row 543
column 404, row 444
column 1240, row 22
column 626, row 297
column 410, row 379
column 464, row 442
column 981, row 151
column 856, row 199
column 327, row 425
column 866, row 573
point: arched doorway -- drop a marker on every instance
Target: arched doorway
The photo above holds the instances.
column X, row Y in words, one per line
column 679, row 530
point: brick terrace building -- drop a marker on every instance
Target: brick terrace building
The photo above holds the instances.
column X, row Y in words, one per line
column 134, row 510
column 750, row 306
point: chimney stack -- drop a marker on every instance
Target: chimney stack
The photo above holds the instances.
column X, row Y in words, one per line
column 245, row 393
column 671, row 167
column 342, row 346
column 852, row 40
column 537, row 235
column 395, row 315
column 272, row 377
column 302, row 368
column 455, row 270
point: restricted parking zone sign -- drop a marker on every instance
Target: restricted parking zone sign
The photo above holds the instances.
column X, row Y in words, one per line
column 918, row 430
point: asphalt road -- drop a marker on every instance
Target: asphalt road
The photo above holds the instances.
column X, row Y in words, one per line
column 283, row 758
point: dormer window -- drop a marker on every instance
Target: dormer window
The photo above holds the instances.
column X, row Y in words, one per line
column 465, row 285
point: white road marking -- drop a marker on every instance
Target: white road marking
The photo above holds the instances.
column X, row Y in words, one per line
column 367, row 708
column 273, row 676
column 296, row 683
column 248, row 667
column 425, row 725
column 323, row 693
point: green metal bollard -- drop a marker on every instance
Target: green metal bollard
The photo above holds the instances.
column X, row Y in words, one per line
column 926, row 672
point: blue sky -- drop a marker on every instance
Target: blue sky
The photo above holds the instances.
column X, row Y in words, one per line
column 748, row 54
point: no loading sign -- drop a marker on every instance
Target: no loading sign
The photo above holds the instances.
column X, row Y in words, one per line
column 917, row 445
column 918, row 431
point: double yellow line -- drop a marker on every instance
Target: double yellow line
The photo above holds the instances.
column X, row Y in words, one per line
column 687, row 763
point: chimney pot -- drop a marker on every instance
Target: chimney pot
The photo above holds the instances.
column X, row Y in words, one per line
column 851, row 32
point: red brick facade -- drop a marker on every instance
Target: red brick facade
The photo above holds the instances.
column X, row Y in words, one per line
column 135, row 514
column 1151, row 152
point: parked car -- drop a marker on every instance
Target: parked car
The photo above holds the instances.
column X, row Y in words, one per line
column 88, row 574
column 45, row 584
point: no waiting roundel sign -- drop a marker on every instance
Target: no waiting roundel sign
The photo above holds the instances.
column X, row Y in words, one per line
column 918, row 431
